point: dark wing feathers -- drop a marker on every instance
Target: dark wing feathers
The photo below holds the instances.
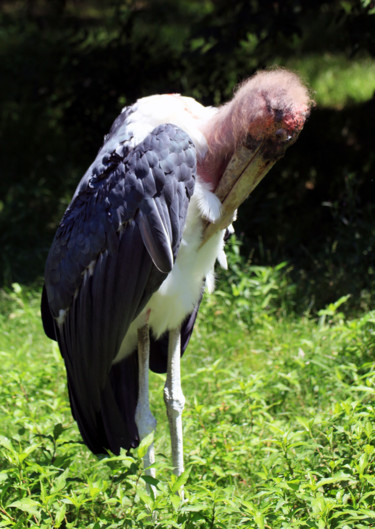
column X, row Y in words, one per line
column 157, row 238
column 113, row 248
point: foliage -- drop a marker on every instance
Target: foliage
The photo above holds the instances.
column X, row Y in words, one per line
column 67, row 67
column 336, row 80
column 278, row 425
column 279, row 381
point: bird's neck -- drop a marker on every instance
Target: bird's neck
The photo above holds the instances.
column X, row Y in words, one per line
column 211, row 169
column 220, row 147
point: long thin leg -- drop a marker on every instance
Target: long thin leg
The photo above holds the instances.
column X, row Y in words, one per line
column 145, row 421
column 175, row 400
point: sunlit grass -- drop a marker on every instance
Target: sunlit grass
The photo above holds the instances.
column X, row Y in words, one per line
column 278, row 424
column 336, row 80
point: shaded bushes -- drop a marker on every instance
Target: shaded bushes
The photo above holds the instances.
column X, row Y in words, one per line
column 67, row 72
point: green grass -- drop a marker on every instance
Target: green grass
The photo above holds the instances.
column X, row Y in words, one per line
column 279, row 421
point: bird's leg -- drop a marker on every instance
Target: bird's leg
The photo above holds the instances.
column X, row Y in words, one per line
column 175, row 400
column 144, row 419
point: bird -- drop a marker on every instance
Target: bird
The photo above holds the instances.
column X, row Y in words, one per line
column 137, row 246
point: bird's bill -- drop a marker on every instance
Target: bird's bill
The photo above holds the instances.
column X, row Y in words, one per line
column 246, row 168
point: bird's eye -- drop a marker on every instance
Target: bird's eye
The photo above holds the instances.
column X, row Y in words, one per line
column 283, row 135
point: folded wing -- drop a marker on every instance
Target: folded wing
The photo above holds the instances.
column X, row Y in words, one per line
column 114, row 247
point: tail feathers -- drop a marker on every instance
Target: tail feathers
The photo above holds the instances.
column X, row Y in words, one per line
column 47, row 319
column 124, row 383
column 113, row 426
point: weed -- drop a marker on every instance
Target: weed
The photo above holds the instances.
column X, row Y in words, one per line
column 278, row 426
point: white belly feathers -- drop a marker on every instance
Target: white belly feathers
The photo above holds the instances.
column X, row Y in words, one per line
column 181, row 290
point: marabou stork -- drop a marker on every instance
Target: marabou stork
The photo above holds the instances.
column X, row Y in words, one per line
column 138, row 243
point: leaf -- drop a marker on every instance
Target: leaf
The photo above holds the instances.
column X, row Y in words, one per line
column 57, row 431
column 357, row 514
column 364, row 388
column 145, row 498
column 176, row 501
column 145, row 444
column 17, row 289
column 181, row 480
column 6, row 443
column 362, row 463
column 259, row 519
column 334, row 479
column 200, row 507
column 150, row 480
column 306, row 423
column 60, row 515
column 22, row 456
column 59, row 483
column 27, row 505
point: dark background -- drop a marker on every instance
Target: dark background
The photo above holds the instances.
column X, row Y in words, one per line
column 68, row 67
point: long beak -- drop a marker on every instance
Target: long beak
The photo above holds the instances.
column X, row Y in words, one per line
column 246, row 168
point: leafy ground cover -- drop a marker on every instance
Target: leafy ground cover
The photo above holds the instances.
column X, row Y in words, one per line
column 279, row 423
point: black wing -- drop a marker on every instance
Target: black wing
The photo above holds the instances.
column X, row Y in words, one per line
column 114, row 247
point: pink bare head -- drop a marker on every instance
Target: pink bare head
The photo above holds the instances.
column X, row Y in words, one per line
column 263, row 104
column 270, row 106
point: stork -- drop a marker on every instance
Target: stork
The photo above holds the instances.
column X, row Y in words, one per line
column 138, row 243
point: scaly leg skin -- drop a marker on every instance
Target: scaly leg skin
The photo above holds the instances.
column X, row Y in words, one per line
column 145, row 421
column 175, row 400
